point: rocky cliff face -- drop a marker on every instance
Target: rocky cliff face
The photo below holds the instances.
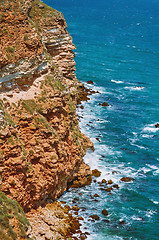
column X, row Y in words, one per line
column 30, row 33
column 41, row 146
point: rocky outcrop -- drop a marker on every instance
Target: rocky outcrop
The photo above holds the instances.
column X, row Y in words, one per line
column 37, row 39
column 21, row 49
column 52, row 222
column 41, row 145
column 56, row 39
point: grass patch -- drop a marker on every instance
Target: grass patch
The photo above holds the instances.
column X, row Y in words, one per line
column 9, row 209
column 31, row 106
column 38, row 15
column 55, row 83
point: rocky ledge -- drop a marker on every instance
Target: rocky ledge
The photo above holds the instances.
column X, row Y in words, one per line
column 41, row 145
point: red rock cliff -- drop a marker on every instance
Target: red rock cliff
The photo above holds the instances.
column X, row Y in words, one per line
column 41, row 146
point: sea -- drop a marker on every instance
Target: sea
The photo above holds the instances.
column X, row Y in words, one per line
column 118, row 49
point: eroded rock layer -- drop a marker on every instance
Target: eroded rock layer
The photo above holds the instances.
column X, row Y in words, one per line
column 41, row 145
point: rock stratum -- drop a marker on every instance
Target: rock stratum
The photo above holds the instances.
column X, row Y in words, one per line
column 41, row 145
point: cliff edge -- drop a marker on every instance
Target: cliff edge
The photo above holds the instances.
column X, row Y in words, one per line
column 41, row 145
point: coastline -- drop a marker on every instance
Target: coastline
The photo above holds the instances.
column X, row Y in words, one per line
column 41, row 145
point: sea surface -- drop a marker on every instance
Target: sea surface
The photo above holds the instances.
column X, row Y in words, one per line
column 118, row 49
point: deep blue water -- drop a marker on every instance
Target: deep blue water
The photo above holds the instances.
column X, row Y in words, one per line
column 118, row 49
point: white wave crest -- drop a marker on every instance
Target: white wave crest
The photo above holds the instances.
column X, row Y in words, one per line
column 150, row 128
column 134, row 88
column 116, row 81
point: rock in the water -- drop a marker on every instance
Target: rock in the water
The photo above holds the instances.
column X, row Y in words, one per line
column 104, row 104
column 105, row 212
column 96, row 173
column 90, row 82
column 157, row 125
column 95, row 217
column 116, row 186
column 104, row 181
column 127, row 179
column 122, row 222
column 96, row 195
column 97, row 139
column 110, row 181
column 109, row 189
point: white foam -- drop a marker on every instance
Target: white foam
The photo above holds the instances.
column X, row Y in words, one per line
column 146, row 136
column 136, row 218
column 134, row 88
column 150, row 213
column 109, row 69
column 116, row 81
column 101, row 237
column 145, row 170
column 152, row 166
column 150, row 128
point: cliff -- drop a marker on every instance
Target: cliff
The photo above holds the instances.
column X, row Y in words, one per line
column 41, row 146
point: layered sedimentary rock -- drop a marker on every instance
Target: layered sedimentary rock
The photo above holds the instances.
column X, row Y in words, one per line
column 21, row 49
column 41, row 146
column 28, row 31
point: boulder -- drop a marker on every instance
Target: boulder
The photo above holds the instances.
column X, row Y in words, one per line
column 104, row 104
column 127, row 179
column 90, row 82
column 96, row 173
column 110, row 181
column 95, row 217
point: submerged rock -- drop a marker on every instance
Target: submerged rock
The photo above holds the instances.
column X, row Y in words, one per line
column 105, row 212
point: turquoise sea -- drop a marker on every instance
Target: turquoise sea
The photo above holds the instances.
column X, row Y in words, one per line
column 118, row 49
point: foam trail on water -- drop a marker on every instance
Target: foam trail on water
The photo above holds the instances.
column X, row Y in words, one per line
column 116, row 81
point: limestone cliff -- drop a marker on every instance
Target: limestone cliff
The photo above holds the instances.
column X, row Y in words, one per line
column 41, row 146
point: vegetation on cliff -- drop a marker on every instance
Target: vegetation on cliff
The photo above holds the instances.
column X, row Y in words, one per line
column 41, row 146
column 13, row 222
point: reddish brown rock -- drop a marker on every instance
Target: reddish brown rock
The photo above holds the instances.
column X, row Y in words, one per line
column 104, row 181
column 110, row 181
column 116, row 186
column 95, row 217
column 109, row 189
column 105, row 212
column 96, row 173
column 90, row 82
column 104, row 104
column 96, row 195
column 157, row 125
column 127, row 179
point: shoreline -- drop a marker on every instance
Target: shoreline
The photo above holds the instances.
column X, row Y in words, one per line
column 41, row 148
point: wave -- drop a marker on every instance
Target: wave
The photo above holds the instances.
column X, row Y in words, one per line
column 116, row 81
column 135, row 88
column 150, row 128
